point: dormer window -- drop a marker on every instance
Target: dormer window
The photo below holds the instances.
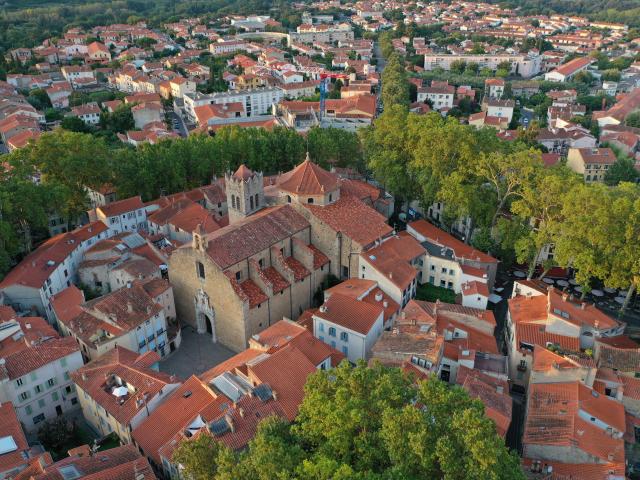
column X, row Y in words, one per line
column 309, row 200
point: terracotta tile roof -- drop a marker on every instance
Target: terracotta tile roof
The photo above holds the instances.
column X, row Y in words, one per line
column 319, row 258
column 98, row 379
column 33, row 330
column 34, row 269
column 271, row 276
column 10, row 427
column 440, row 237
column 121, row 206
column 243, row 173
column 185, row 215
column 579, row 313
column 494, row 393
column 308, row 179
column 354, row 219
column 35, row 356
column 553, row 419
column 575, row 471
column 117, row 463
column 574, row 65
column 545, row 360
column 356, row 288
column 286, row 372
column 533, row 334
column 172, row 416
column 350, row 313
column 601, row 156
column 623, row 359
column 359, row 189
column 237, row 361
column 298, row 269
column 240, row 240
column 6, row 313
column 475, row 288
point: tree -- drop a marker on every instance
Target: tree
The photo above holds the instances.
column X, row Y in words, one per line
column 458, row 66
column 387, row 155
column 623, row 170
column 633, row 120
column 395, row 86
column 202, row 457
column 120, row 120
column 539, row 209
column 75, row 124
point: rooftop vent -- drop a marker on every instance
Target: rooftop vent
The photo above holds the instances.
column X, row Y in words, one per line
column 186, row 394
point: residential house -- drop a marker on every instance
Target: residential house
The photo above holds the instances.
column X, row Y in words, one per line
column 118, row 390
column 449, row 262
column 591, row 163
column 35, row 368
column 123, row 215
column 565, row 73
column 134, row 317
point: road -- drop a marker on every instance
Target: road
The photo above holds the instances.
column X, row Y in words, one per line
column 381, row 63
column 178, row 124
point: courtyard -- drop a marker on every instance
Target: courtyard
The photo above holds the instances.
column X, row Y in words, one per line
column 196, row 354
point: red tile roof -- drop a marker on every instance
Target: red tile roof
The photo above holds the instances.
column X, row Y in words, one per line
column 36, row 356
column 121, row 206
column 260, row 231
column 350, row 313
column 308, row 179
column 440, row 237
column 97, row 379
column 354, row 219
column 10, row 427
column 243, row 173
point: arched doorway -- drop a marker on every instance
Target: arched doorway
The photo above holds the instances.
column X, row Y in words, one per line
column 205, row 314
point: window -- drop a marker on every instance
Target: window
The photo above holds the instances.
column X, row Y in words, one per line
column 33, row 376
column 321, row 338
column 321, row 327
column 444, row 270
column 288, row 198
column 443, row 284
column 451, row 272
column 19, row 382
column 68, row 389
column 309, row 200
column 24, row 396
column 333, row 344
column 238, row 275
column 74, row 401
column 332, row 332
column 344, row 336
column 345, row 350
column 54, row 396
column 38, row 389
column 251, row 203
column 433, row 268
column 330, row 197
column 51, row 382
column 233, row 201
column 200, row 270
column 345, row 271
column 38, row 418
column 257, row 200
column 28, row 410
column 41, row 403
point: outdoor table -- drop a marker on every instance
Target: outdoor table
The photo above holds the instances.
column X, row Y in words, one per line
column 597, row 293
column 548, row 281
column 573, row 282
column 562, row 283
column 609, row 290
column 620, row 300
column 519, row 274
column 578, row 289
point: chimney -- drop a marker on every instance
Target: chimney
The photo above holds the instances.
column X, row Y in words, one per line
column 378, row 297
column 84, row 377
column 129, row 307
column 565, row 296
column 241, row 412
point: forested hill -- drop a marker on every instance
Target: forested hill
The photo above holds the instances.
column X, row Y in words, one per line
column 619, row 11
column 25, row 23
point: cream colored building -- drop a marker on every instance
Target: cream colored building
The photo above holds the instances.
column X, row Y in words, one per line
column 120, row 389
column 591, row 163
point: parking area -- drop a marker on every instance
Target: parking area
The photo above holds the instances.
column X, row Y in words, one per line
column 197, row 354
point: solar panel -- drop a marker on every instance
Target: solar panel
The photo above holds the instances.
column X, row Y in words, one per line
column 7, row 445
column 263, row 392
column 219, row 427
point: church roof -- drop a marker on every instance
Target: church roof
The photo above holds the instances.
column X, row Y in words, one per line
column 308, row 179
column 243, row 173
